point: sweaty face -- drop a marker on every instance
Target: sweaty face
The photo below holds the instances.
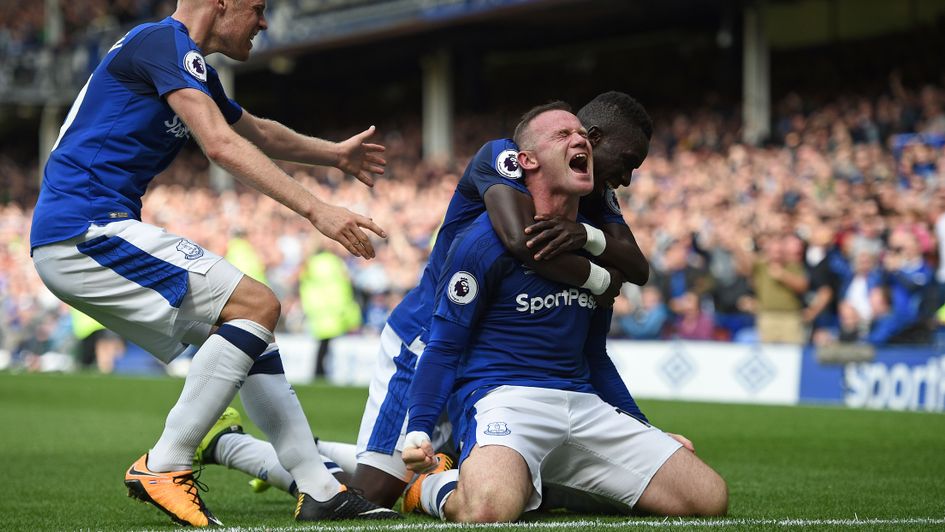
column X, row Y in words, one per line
column 241, row 22
column 616, row 156
column 563, row 151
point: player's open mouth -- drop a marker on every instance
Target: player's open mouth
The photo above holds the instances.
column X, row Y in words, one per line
column 579, row 163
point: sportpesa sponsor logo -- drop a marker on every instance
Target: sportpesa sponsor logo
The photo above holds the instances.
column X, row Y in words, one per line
column 564, row 298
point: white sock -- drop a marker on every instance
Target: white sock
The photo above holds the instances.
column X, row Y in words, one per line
column 272, row 405
column 254, row 457
column 343, row 454
column 216, row 373
column 436, row 489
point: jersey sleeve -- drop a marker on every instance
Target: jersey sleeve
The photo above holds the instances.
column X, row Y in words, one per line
column 163, row 60
column 605, row 379
column 469, row 274
column 496, row 163
column 603, row 208
column 230, row 109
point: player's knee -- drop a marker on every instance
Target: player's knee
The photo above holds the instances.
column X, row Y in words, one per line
column 711, row 500
column 716, row 499
column 254, row 301
column 492, row 511
column 483, row 504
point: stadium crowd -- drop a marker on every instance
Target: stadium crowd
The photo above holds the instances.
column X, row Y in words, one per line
column 831, row 231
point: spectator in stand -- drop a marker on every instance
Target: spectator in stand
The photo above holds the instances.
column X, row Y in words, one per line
column 825, row 267
column 861, row 297
column 681, row 274
column 692, row 323
column 910, row 293
column 731, row 291
column 644, row 315
column 779, row 282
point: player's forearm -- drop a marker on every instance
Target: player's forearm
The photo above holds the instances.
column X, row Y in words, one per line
column 627, row 258
column 280, row 142
column 239, row 157
column 435, row 375
column 566, row 268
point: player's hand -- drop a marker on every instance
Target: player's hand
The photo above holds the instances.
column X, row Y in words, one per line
column 616, row 283
column 683, row 440
column 360, row 159
column 551, row 236
column 418, row 452
column 345, row 227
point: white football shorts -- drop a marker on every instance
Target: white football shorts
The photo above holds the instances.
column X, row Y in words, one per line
column 158, row 290
column 384, row 422
column 572, row 441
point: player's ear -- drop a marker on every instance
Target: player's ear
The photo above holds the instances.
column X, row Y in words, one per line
column 593, row 135
column 527, row 160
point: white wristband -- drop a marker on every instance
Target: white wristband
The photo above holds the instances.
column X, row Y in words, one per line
column 596, row 242
column 415, row 439
column 598, row 281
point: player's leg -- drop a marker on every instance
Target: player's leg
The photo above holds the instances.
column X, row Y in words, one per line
column 220, row 365
column 685, row 485
column 629, row 466
column 273, row 406
column 381, row 473
column 134, row 279
column 494, row 486
column 226, row 444
column 508, row 433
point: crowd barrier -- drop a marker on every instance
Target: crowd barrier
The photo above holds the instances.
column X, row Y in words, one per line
column 897, row 378
column 893, row 378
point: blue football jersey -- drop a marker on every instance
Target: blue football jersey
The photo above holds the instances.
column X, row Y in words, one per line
column 120, row 132
column 516, row 318
column 494, row 163
column 498, row 323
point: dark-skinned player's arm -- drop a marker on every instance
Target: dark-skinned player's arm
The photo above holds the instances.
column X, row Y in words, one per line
column 510, row 212
column 615, row 246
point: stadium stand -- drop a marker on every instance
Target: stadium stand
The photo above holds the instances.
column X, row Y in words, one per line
column 846, row 194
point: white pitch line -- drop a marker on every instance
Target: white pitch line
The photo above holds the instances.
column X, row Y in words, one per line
column 632, row 523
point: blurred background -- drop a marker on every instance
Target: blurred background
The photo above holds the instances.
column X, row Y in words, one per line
column 792, row 205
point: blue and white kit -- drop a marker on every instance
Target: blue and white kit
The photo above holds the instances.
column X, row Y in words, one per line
column 156, row 289
column 523, row 363
column 383, row 424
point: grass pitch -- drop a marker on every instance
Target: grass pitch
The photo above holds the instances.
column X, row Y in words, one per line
column 66, row 440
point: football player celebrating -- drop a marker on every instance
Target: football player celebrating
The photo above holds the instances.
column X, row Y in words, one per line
column 534, row 398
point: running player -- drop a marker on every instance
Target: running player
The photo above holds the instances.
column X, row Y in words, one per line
column 148, row 96
column 534, row 398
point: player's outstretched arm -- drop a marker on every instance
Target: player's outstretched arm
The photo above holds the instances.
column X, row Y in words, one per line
column 549, row 237
column 241, row 158
column 510, row 212
column 355, row 156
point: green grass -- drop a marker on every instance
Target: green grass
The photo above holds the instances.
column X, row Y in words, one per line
column 65, row 441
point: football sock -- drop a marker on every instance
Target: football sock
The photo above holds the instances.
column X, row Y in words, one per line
column 345, row 455
column 216, row 373
column 272, row 405
column 436, row 489
column 254, row 457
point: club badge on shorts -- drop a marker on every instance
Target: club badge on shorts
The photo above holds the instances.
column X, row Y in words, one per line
column 497, row 428
column 190, row 250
